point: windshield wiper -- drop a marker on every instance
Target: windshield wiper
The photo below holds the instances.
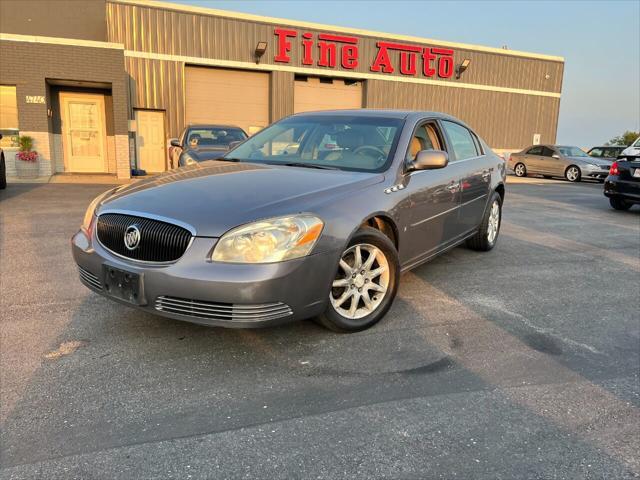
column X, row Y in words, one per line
column 310, row 165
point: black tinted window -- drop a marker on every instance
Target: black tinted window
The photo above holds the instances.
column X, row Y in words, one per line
column 547, row 152
column 461, row 141
column 535, row 151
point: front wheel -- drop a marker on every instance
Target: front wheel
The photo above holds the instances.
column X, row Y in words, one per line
column 619, row 204
column 573, row 173
column 487, row 236
column 520, row 170
column 365, row 283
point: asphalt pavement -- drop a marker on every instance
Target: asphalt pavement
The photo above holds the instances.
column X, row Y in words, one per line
column 518, row 363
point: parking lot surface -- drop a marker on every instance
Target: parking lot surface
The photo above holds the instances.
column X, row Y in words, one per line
column 518, row 363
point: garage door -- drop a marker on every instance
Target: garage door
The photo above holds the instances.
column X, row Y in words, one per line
column 326, row 94
column 227, row 97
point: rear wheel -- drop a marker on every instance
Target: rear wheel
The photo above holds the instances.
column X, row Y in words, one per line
column 365, row 284
column 487, row 235
column 520, row 170
column 619, row 204
column 572, row 173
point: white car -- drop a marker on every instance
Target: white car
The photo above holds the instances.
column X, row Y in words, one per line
column 633, row 149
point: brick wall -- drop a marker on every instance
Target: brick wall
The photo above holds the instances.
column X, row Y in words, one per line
column 29, row 66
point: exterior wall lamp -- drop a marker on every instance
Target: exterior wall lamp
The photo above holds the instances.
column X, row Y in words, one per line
column 462, row 67
column 261, row 47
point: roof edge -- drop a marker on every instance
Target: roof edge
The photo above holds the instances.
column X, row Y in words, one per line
column 333, row 28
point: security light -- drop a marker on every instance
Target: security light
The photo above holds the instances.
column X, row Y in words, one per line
column 462, row 67
column 261, row 47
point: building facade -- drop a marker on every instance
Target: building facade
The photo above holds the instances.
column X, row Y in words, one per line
column 110, row 81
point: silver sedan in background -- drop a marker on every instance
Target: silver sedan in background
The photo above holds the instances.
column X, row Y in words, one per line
column 549, row 161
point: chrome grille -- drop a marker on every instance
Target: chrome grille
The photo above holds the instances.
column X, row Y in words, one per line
column 159, row 241
column 89, row 278
column 222, row 311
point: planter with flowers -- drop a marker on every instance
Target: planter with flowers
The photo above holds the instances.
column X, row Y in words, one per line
column 26, row 159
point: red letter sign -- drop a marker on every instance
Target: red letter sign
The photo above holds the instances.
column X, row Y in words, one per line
column 284, row 45
column 382, row 61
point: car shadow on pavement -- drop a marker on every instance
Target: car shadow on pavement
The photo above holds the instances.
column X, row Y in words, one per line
column 17, row 189
column 115, row 377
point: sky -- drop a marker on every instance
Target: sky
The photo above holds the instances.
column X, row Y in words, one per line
column 599, row 40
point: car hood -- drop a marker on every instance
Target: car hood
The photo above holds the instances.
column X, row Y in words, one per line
column 202, row 154
column 601, row 162
column 216, row 196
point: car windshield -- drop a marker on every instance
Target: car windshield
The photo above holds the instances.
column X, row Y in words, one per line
column 636, row 143
column 572, row 152
column 212, row 137
column 343, row 142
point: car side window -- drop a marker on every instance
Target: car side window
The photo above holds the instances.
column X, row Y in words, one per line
column 537, row 150
column 461, row 139
column 596, row 152
column 610, row 152
column 547, row 152
column 426, row 137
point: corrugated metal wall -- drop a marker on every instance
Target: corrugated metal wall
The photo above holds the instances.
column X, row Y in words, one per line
column 506, row 120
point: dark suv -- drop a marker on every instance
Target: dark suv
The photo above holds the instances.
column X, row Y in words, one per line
column 610, row 152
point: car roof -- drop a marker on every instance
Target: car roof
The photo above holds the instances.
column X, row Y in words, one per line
column 608, row 146
column 379, row 112
column 211, row 125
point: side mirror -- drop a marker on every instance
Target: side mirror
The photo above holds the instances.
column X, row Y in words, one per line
column 175, row 143
column 234, row 144
column 430, row 160
column 555, row 155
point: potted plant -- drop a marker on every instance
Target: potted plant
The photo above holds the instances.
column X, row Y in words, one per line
column 26, row 158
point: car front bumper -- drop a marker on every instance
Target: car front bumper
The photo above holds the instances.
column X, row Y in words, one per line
column 197, row 290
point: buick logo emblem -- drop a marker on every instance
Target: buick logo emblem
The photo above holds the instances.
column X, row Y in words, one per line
column 132, row 237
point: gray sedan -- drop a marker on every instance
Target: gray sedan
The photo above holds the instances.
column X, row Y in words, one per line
column 549, row 161
column 282, row 228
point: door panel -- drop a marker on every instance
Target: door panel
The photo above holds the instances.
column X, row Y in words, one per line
column 474, row 189
column 150, row 141
column 83, row 131
column 430, row 211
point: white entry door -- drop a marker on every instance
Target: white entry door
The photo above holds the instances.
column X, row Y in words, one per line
column 150, row 141
column 83, row 132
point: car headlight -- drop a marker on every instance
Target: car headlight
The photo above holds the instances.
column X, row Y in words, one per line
column 188, row 159
column 91, row 209
column 270, row 240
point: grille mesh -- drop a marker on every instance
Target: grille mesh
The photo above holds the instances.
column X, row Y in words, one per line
column 222, row 311
column 159, row 241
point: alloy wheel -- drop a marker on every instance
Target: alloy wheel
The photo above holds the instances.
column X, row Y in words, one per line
column 361, row 282
column 520, row 170
column 573, row 174
column 494, row 222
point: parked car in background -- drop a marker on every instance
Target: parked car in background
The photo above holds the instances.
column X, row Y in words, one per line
column 203, row 142
column 549, row 161
column 632, row 150
column 3, row 169
column 622, row 186
column 607, row 152
column 268, row 235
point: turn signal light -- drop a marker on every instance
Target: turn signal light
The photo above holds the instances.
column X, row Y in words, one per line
column 613, row 169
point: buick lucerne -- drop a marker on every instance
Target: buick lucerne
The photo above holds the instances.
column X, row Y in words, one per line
column 315, row 216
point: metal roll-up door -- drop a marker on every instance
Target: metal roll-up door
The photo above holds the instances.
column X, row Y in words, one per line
column 227, row 97
column 326, row 94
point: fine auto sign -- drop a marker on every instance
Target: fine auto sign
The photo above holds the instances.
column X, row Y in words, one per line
column 410, row 60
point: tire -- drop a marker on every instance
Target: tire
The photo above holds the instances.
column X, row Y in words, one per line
column 336, row 315
column 3, row 173
column 619, row 204
column 520, row 169
column 573, row 174
column 487, row 236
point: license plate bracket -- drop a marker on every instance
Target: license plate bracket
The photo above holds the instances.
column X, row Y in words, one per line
column 122, row 284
